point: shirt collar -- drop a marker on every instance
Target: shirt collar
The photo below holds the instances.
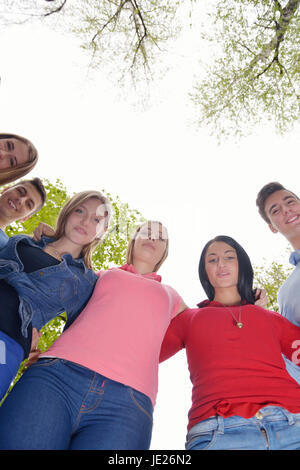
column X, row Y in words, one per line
column 295, row 257
column 213, row 303
column 130, row 268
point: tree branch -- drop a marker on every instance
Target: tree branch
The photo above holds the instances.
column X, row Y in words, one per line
column 57, row 10
column 286, row 15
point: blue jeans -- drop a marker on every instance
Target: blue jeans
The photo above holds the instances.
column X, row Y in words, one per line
column 11, row 356
column 60, row 405
column 272, row 428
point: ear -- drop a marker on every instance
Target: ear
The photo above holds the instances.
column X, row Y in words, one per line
column 273, row 229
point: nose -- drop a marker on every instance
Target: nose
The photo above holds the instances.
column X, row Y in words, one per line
column 19, row 202
column 287, row 211
column 221, row 262
column 84, row 220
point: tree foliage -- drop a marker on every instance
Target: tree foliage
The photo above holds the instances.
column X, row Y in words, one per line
column 252, row 73
column 255, row 74
column 271, row 277
column 112, row 252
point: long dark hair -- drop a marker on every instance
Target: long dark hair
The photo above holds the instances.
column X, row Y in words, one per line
column 245, row 278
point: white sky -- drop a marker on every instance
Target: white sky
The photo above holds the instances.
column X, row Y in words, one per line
column 152, row 159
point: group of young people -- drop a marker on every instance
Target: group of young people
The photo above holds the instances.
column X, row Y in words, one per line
column 96, row 386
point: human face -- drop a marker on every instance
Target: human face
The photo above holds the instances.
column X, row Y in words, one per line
column 283, row 210
column 19, row 202
column 86, row 222
column 150, row 244
column 13, row 153
column 221, row 265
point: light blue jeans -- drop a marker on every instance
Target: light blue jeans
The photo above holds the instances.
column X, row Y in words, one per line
column 272, row 428
column 60, row 405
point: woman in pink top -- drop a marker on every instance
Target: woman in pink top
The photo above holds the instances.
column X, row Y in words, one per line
column 95, row 388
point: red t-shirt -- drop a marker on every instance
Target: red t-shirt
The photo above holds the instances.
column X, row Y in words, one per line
column 235, row 371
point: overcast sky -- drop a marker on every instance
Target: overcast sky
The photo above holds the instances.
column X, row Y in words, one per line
column 153, row 159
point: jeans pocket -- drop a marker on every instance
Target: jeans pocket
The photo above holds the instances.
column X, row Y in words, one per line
column 142, row 402
column 201, row 441
column 45, row 361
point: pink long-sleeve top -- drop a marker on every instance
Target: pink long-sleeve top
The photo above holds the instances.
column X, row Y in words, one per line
column 120, row 331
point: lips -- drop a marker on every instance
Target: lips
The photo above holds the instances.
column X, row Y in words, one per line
column 292, row 219
column 12, row 204
column 149, row 244
column 80, row 230
column 223, row 274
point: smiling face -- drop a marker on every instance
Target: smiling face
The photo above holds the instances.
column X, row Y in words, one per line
column 221, row 265
column 150, row 244
column 13, row 153
column 86, row 222
column 283, row 211
column 18, row 202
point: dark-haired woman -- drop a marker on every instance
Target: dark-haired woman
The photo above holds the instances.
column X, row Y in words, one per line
column 243, row 397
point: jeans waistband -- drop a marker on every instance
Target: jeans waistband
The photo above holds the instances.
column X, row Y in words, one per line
column 218, row 423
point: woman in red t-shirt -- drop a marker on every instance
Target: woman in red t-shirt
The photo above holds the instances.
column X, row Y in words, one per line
column 243, row 396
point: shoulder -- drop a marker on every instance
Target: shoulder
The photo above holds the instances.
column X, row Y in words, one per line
column 17, row 238
column 263, row 312
column 188, row 314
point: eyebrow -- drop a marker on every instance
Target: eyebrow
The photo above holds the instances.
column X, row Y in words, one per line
column 227, row 251
column 276, row 203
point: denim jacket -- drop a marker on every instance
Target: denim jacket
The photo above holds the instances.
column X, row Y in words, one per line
column 46, row 293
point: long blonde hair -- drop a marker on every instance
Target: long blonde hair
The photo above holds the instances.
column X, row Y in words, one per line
column 8, row 175
column 130, row 248
column 74, row 202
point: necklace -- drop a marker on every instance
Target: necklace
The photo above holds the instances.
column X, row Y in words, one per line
column 51, row 248
column 238, row 322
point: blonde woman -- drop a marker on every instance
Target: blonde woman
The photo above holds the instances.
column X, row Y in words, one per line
column 96, row 387
column 39, row 280
column 18, row 156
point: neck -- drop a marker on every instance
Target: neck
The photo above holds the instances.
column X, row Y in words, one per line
column 63, row 245
column 227, row 296
column 295, row 242
column 4, row 222
column 142, row 267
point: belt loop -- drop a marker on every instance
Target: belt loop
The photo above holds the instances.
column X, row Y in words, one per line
column 289, row 416
column 220, row 421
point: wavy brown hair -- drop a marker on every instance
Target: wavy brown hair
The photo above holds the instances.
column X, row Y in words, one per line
column 8, row 175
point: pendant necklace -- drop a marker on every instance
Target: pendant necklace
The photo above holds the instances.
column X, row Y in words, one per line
column 238, row 322
column 57, row 254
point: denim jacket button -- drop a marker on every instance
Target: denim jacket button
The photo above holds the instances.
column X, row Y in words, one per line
column 41, row 272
